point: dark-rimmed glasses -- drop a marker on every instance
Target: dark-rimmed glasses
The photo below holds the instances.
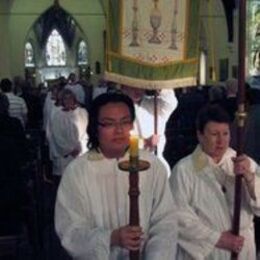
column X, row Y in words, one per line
column 124, row 124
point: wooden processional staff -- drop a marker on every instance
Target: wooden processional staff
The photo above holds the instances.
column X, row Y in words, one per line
column 241, row 115
column 155, row 117
column 133, row 166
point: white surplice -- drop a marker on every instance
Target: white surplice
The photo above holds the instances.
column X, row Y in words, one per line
column 78, row 90
column 69, row 132
column 48, row 131
column 204, row 194
column 144, row 123
column 93, row 201
column 48, row 104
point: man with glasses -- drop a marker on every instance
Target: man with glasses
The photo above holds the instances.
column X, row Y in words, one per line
column 92, row 207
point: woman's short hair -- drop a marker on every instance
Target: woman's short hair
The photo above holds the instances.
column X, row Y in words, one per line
column 211, row 113
column 67, row 92
column 98, row 102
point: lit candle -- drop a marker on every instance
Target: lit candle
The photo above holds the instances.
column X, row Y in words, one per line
column 133, row 144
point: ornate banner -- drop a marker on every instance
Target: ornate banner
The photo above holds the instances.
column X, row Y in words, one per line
column 152, row 43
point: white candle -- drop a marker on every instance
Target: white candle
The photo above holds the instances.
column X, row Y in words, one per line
column 133, row 146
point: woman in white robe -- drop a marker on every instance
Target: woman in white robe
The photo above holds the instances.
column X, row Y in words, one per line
column 68, row 128
column 203, row 189
column 92, row 206
column 51, row 106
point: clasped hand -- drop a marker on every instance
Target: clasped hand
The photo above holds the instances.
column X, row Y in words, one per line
column 242, row 167
column 230, row 242
column 129, row 237
column 151, row 142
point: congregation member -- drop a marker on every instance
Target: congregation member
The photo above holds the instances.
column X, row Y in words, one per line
column 230, row 103
column 101, row 88
column 252, row 144
column 13, row 139
column 50, row 100
column 13, row 156
column 145, row 118
column 203, row 185
column 252, row 127
column 68, row 128
column 254, row 79
column 51, row 107
column 31, row 96
column 17, row 105
column 76, row 88
column 92, row 206
column 252, row 140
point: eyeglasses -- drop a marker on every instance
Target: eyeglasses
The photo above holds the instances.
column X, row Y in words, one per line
column 113, row 124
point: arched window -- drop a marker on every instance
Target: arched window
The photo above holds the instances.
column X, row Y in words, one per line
column 55, row 52
column 29, row 55
column 82, row 53
column 203, row 55
column 203, row 68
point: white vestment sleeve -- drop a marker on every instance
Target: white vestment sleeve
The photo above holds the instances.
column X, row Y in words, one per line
column 254, row 187
column 73, row 222
column 194, row 237
column 255, row 204
column 163, row 221
column 167, row 102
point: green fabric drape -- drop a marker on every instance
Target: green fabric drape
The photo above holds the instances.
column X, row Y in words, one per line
column 174, row 73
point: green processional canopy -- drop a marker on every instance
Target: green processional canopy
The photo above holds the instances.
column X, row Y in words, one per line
column 152, row 43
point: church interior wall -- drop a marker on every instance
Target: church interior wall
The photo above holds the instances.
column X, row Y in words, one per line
column 4, row 49
column 18, row 17
column 219, row 49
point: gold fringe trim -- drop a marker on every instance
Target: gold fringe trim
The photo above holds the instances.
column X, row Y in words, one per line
column 150, row 84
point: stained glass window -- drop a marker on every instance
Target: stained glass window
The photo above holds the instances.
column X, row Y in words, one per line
column 82, row 53
column 29, row 55
column 55, row 50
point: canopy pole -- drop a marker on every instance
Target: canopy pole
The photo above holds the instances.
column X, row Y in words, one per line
column 241, row 114
column 155, row 117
